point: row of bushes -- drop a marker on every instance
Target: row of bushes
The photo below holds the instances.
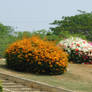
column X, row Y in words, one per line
column 42, row 56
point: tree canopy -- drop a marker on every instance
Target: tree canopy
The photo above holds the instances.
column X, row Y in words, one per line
column 78, row 24
column 6, row 37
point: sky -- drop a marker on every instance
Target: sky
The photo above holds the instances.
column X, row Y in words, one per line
column 31, row 15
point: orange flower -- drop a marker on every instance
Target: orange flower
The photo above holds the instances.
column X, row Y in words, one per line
column 37, row 51
column 51, row 65
column 26, row 56
column 39, row 63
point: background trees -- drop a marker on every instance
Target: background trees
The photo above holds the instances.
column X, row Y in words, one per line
column 6, row 37
column 78, row 24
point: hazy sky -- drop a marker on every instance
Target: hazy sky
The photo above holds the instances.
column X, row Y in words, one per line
column 37, row 14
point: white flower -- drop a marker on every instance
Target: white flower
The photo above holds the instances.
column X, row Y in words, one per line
column 76, row 42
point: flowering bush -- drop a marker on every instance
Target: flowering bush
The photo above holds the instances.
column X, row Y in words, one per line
column 36, row 55
column 80, row 51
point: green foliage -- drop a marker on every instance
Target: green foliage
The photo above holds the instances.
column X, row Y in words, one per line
column 24, row 34
column 81, row 23
column 27, row 34
column 63, row 35
column 6, row 37
column 42, row 33
column 5, row 29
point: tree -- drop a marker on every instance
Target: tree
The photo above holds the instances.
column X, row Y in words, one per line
column 5, row 30
column 78, row 24
column 6, row 37
column 42, row 33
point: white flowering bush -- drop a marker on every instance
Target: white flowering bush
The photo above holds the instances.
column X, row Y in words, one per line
column 79, row 50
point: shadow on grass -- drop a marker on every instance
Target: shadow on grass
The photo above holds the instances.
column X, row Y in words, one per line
column 4, row 66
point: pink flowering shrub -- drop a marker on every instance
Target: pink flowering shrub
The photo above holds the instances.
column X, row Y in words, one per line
column 79, row 50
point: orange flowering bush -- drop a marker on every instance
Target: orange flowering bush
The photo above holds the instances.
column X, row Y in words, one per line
column 36, row 55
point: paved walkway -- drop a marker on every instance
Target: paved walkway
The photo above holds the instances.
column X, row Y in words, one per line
column 9, row 86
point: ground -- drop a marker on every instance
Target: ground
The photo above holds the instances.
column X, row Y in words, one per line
column 78, row 77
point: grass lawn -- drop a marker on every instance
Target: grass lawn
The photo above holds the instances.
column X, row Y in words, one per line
column 78, row 77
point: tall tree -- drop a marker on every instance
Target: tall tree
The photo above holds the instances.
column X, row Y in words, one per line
column 78, row 24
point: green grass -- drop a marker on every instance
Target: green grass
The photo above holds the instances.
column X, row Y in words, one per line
column 78, row 77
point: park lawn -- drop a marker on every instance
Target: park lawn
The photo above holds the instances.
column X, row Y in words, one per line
column 78, row 77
